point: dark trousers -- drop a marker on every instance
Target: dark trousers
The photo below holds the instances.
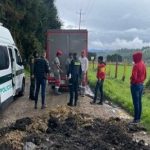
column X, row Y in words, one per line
column 42, row 83
column 136, row 91
column 32, row 88
column 99, row 86
column 73, row 89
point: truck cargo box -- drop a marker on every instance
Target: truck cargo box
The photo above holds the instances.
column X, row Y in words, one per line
column 68, row 41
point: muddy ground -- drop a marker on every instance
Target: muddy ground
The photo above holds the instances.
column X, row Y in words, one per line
column 60, row 127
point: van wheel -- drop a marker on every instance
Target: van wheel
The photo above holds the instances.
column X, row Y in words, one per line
column 21, row 93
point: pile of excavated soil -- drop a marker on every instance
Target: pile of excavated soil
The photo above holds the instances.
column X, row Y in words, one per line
column 64, row 128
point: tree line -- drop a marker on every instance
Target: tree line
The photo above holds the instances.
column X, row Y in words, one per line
column 28, row 21
column 109, row 58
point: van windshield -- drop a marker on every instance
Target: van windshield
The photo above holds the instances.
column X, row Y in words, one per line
column 4, row 58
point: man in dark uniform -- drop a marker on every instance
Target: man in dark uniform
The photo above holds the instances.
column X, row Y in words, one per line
column 32, row 79
column 74, row 74
column 41, row 70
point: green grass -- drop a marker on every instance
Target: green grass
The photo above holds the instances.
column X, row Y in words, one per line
column 27, row 73
column 118, row 91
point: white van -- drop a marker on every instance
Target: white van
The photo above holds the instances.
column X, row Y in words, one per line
column 12, row 78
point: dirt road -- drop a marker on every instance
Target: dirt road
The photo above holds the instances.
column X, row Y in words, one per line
column 23, row 107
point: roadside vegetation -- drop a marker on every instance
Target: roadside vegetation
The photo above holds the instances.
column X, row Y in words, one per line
column 118, row 91
column 28, row 21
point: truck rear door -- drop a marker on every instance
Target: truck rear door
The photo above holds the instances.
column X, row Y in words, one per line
column 69, row 41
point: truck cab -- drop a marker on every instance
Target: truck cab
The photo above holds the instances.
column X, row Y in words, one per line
column 12, row 77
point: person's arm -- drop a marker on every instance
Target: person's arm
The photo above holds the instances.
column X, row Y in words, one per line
column 133, row 77
column 34, row 69
column 86, row 65
column 58, row 64
column 70, row 70
column 58, row 67
column 47, row 68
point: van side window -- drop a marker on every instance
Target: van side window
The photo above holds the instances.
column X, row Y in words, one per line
column 18, row 58
column 4, row 58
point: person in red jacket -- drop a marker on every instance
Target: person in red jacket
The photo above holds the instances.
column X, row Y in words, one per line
column 137, row 79
column 101, row 73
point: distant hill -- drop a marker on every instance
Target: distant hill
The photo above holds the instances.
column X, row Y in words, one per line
column 125, row 53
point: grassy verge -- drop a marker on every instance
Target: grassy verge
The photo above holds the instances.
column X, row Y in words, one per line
column 27, row 73
column 118, row 91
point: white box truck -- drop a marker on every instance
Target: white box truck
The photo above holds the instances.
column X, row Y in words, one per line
column 68, row 41
column 12, row 78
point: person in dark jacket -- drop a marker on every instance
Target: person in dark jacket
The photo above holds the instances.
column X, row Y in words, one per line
column 32, row 79
column 101, row 73
column 74, row 74
column 41, row 70
column 137, row 79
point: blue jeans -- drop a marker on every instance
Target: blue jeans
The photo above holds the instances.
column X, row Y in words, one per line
column 137, row 91
column 99, row 86
column 42, row 83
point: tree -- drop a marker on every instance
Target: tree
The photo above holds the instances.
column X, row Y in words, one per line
column 91, row 56
column 28, row 21
column 114, row 58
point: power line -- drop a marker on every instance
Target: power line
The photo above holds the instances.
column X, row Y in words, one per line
column 89, row 9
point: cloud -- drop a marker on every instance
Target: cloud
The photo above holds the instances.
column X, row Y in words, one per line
column 126, row 16
column 109, row 21
column 136, row 43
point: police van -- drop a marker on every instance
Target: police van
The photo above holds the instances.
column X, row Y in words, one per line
column 12, row 78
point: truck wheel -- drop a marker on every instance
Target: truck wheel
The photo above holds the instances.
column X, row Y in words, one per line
column 21, row 93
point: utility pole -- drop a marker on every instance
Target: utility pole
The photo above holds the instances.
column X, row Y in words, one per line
column 80, row 16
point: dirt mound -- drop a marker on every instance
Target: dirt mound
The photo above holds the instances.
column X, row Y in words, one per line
column 64, row 128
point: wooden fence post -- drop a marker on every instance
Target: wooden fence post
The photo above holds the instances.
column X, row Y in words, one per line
column 116, row 69
column 124, row 70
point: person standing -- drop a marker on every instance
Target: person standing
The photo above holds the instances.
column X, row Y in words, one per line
column 84, row 66
column 68, row 61
column 73, row 75
column 41, row 70
column 57, row 71
column 32, row 78
column 137, row 79
column 101, row 73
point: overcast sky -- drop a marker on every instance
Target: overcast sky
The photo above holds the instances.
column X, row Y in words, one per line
column 111, row 24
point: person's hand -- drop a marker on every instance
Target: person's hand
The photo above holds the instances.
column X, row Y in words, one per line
column 66, row 77
column 32, row 76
